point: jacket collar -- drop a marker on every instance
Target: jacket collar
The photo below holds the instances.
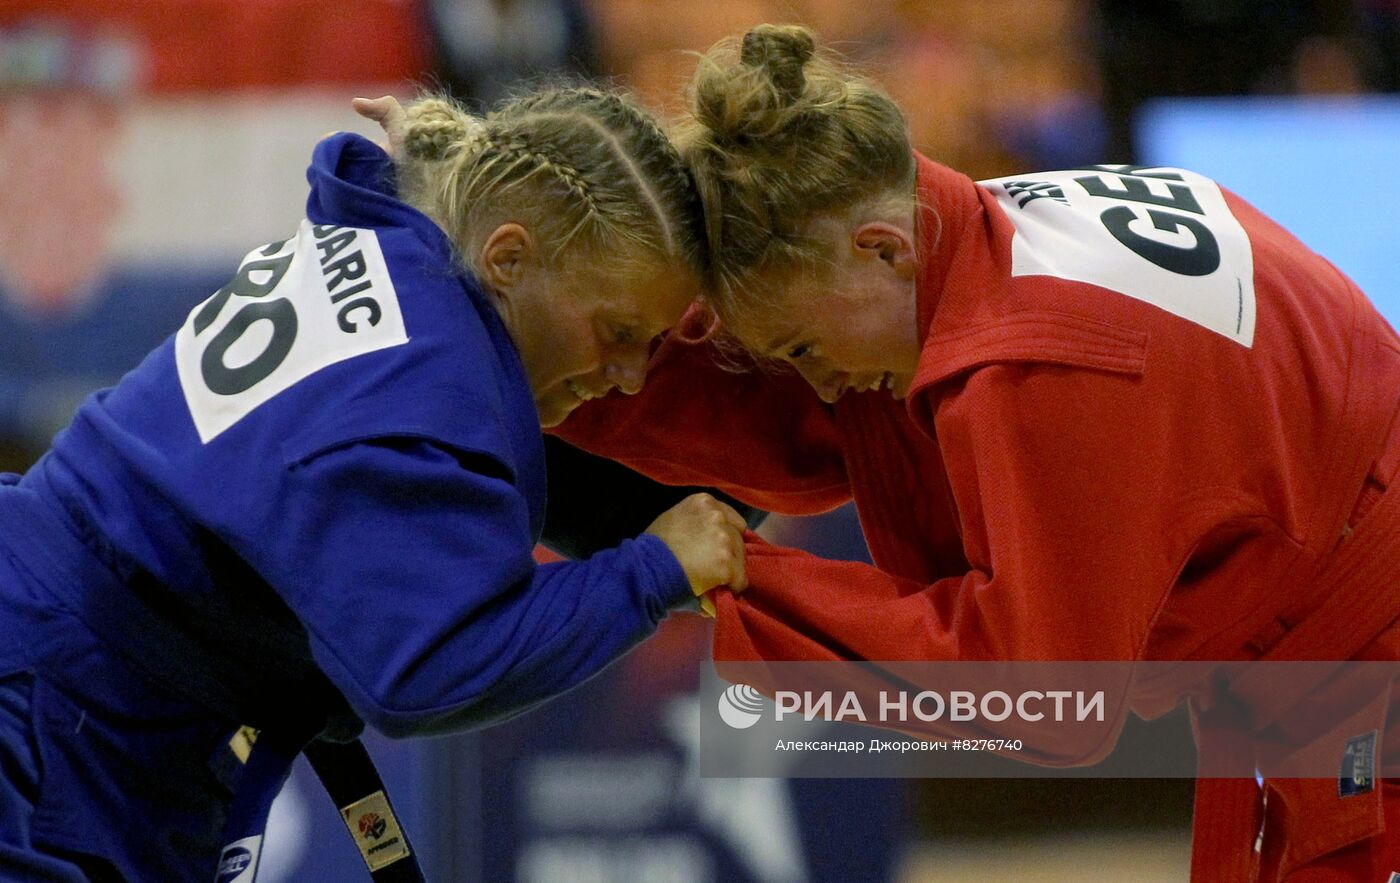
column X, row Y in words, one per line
column 352, row 181
column 948, row 203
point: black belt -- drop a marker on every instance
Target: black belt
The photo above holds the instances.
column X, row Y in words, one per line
column 354, row 786
column 349, row 777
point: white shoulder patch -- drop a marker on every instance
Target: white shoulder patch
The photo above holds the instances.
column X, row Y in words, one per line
column 293, row 308
column 1160, row 235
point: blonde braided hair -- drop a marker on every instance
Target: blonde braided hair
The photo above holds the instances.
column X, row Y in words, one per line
column 579, row 166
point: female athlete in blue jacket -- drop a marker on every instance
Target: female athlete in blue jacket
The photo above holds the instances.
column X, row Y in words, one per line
column 315, row 504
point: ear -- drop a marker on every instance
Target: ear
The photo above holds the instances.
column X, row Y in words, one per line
column 504, row 257
column 889, row 242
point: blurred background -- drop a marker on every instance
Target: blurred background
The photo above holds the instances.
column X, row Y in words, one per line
column 146, row 145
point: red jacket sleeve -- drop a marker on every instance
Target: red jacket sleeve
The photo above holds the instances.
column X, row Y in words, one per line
column 764, row 438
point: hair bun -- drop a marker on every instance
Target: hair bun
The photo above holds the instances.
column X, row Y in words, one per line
column 436, row 127
column 781, row 51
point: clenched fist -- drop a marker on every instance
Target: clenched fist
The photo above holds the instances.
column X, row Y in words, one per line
column 707, row 537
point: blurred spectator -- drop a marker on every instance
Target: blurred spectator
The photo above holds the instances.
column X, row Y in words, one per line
column 644, row 42
column 994, row 89
column 1239, row 47
column 991, row 89
column 1380, row 24
column 483, row 47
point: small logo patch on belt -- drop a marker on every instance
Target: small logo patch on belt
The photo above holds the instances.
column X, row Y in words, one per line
column 1358, row 766
column 375, row 830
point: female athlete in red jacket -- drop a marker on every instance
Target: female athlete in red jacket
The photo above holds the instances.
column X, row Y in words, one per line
column 1112, row 413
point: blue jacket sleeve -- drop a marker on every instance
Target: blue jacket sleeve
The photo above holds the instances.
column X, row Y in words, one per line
column 411, row 567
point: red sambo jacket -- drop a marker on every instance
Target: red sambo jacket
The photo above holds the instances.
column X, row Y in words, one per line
column 1144, row 418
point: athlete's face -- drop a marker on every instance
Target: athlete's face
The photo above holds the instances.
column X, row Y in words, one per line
column 853, row 328
column 584, row 328
column 592, row 331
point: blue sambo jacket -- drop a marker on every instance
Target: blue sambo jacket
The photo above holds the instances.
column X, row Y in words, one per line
column 329, row 484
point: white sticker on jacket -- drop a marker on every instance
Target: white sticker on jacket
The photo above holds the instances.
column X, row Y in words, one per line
column 293, row 308
column 238, row 863
column 1160, row 235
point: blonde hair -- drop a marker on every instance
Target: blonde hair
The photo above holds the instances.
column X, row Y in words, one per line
column 779, row 135
column 578, row 167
